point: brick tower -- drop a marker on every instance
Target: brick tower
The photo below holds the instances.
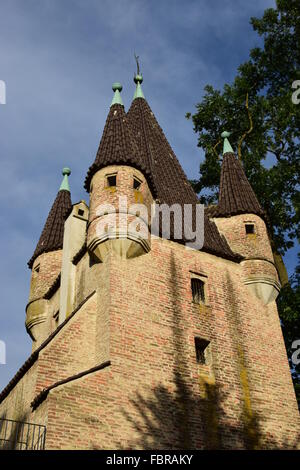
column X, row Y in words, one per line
column 45, row 264
column 138, row 341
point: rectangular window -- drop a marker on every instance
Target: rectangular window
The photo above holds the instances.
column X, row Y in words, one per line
column 249, row 229
column 198, row 291
column 111, row 181
column 201, row 347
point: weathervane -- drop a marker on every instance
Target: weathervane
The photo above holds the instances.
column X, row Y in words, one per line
column 138, row 79
column 137, row 63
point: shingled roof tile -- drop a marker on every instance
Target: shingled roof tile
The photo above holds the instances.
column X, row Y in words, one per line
column 118, row 147
column 136, row 139
column 52, row 235
column 169, row 178
column 236, row 194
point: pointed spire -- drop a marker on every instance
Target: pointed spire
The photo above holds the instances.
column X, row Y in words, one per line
column 117, row 99
column 226, row 145
column 65, row 182
column 236, row 195
column 52, row 236
column 169, row 180
column 138, row 79
column 118, row 145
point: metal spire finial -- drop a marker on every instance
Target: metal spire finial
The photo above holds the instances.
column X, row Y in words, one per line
column 226, row 146
column 137, row 64
column 138, row 79
column 117, row 88
column 65, row 182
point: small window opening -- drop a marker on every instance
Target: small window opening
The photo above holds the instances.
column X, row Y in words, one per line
column 112, row 181
column 37, row 268
column 80, row 212
column 201, row 350
column 56, row 318
column 198, row 291
column 136, row 183
column 249, row 229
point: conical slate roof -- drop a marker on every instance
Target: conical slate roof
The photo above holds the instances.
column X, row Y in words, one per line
column 136, row 139
column 170, row 181
column 236, row 195
column 118, row 145
column 52, row 235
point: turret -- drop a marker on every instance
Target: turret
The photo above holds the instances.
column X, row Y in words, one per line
column 242, row 221
column 46, row 260
column 121, row 190
column 135, row 161
column 169, row 181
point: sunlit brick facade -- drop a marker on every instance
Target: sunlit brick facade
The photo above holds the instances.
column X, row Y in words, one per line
column 117, row 335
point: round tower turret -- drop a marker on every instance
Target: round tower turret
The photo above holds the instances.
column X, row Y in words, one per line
column 120, row 194
column 46, row 261
column 240, row 218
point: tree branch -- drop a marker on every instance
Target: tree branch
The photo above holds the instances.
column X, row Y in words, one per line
column 277, row 152
column 248, row 131
column 215, row 146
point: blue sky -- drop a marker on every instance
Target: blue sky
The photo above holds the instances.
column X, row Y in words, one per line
column 59, row 60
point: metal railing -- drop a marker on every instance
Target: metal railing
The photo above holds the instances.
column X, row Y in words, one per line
column 18, row 435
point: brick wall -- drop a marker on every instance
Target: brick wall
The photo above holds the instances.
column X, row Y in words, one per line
column 45, row 270
column 249, row 245
column 49, row 268
column 155, row 394
column 103, row 195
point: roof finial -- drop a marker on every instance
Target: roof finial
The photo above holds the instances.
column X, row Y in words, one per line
column 138, row 79
column 117, row 88
column 137, row 64
column 65, row 182
column 226, row 146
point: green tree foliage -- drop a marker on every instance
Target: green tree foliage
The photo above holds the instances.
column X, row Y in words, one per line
column 289, row 309
column 265, row 124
